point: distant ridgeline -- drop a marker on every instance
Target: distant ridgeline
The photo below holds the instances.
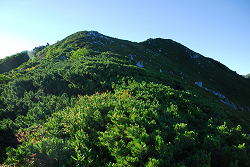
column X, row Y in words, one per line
column 247, row 76
column 13, row 61
column 95, row 100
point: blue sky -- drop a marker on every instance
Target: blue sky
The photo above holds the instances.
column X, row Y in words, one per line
column 219, row 29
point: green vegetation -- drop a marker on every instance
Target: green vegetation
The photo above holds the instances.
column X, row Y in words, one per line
column 81, row 102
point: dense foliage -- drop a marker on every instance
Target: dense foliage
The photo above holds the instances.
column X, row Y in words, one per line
column 81, row 102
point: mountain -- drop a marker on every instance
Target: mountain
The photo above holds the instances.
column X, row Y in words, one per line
column 95, row 100
column 13, row 61
column 247, row 76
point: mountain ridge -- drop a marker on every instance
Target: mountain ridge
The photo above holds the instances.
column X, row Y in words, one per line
column 197, row 61
column 84, row 95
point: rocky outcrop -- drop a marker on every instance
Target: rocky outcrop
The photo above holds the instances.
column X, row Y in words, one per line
column 192, row 54
column 96, row 34
column 140, row 64
column 227, row 102
column 244, row 107
column 247, row 108
column 217, row 93
column 150, row 40
column 64, row 57
column 199, row 83
column 195, row 56
column 223, row 99
column 130, row 57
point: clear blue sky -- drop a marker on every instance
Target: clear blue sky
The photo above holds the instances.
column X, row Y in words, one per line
column 219, row 29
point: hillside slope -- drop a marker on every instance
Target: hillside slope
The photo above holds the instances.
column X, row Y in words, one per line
column 87, row 101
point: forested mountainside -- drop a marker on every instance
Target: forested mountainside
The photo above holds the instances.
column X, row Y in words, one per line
column 94, row 100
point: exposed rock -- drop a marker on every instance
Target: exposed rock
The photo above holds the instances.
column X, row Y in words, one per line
column 195, row 56
column 130, row 57
column 192, row 54
column 199, row 83
column 95, row 34
column 223, row 99
column 64, row 57
column 150, row 40
column 217, row 93
column 160, row 70
column 243, row 106
column 140, row 64
column 227, row 102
